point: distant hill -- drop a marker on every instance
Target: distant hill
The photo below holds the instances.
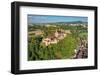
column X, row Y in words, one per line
column 73, row 22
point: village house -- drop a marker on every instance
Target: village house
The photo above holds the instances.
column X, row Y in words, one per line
column 47, row 41
column 62, row 33
column 54, row 40
column 58, row 35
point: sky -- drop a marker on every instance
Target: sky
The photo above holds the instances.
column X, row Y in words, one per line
column 52, row 19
